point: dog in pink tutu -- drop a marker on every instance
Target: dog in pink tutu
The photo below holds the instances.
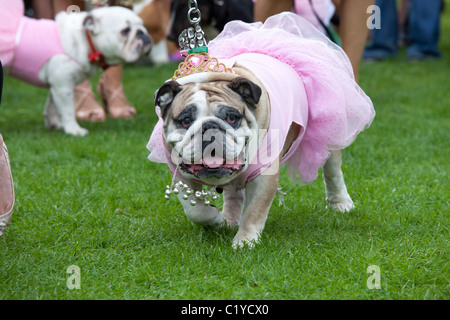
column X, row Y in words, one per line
column 262, row 96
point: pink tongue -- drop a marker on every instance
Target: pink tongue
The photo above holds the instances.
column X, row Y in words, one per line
column 212, row 162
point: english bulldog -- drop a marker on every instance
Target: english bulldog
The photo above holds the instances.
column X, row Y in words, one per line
column 233, row 128
column 63, row 53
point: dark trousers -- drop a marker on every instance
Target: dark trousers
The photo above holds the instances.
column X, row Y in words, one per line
column 423, row 30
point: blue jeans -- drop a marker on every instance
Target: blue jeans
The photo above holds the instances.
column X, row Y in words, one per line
column 424, row 28
column 423, row 33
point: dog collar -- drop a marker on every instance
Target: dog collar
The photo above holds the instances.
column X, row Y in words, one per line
column 95, row 56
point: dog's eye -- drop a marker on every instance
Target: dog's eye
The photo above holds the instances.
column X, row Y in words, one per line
column 231, row 119
column 186, row 122
column 125, row 31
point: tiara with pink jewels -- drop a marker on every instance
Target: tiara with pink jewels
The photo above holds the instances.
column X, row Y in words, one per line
column 194, row 47
column 199, row 61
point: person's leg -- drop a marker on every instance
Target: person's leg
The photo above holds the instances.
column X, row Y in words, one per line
column 384, row 40
column 43, row 9
column 110, row 87
column 424, row 29
column 62, row 5
column 6, row 188
column 6, row 182
column 266, row 8
column 1, row 81
column 87, row 107
column 353, row 29
column 111, row 91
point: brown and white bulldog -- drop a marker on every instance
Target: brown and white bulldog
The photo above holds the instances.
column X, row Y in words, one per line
column 211, row 122
column 284, row 97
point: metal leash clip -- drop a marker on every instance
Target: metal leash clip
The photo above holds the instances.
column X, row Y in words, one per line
column 192, row 39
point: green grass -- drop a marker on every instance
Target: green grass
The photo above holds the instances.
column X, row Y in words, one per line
column 97, row 202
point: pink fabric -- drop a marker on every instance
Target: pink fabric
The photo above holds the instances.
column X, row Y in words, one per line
column 288, row 105
column 37, row 41
column 11, row 11
column 337, row 110
column 324, row 9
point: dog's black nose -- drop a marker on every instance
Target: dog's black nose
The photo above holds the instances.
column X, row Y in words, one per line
column 209, row 125
column 140, row 33
column 146, row 39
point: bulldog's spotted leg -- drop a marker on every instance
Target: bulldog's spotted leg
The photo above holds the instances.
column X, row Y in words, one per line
column 336, row 191
column 259, row 195
column 233, row 203
column 200, row 214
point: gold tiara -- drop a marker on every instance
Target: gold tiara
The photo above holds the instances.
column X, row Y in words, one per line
column 199, row 61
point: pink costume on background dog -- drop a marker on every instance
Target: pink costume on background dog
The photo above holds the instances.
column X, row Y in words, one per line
column 310, row 82
column 26, row 44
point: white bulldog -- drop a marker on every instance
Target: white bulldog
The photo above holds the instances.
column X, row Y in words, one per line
column 63, row 53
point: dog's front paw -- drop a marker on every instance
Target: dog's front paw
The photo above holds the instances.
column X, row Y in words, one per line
column 243, row 239
column 203, row 215
column 342, row 203
column 76, row 130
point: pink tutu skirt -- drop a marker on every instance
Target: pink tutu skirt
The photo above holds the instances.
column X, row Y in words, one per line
column 338, row 109
column 335, row 107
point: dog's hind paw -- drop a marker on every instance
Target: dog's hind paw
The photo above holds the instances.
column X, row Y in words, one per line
column 342, row 203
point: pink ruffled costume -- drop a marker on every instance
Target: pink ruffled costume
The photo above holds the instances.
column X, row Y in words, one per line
column 26, row 44
column 310, row 82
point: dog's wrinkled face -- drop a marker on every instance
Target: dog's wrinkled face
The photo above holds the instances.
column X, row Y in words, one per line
column 118, row 33
column 208, row 125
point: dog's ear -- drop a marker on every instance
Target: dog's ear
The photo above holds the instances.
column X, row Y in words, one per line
column 248, row 90
column 91, row 24
column 165, row 95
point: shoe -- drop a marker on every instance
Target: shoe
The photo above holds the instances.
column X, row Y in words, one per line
column 6, row 188
column 86, row 106
column 114, row 101
column 415, row 55
column 377, row 54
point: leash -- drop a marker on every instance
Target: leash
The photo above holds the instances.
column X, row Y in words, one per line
column 330, row 33
column 173, row 13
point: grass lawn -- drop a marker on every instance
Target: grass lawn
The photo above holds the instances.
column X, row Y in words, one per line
column 98, row 203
